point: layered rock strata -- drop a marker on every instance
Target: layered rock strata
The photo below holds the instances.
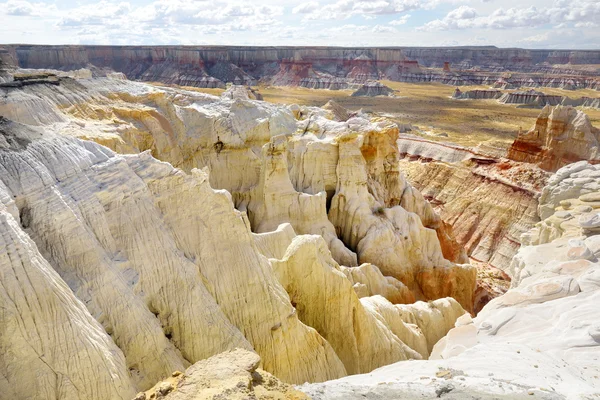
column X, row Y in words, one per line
column 476, row 94
column 318, row 67
column 561, row 135
column 488, row 201
column 530, row 98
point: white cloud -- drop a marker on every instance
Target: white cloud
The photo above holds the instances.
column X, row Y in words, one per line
column 400, row 21
column 350, row 28
column 102, row 13
column 577, row 12
column 305, row 8
column 383, row 29
column 343, row 9
column 23, row 8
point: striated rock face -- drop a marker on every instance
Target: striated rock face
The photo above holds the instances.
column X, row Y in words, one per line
column 338, row 315
column 529, row 98
column 274, row 168
column 489, row 202
column 542, row 335
column 164, row 270
column 561, row 135
column 587, row 102
column 373, row 89
column 130, row 254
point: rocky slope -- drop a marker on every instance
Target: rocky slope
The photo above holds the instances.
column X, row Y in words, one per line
column 137, row 268
column 476, row 94
column 561, row 135
column 317, row 67
column 542, row 335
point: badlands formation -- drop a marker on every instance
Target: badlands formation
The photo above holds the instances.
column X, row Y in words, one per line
column 273, row 229
column 160, row 242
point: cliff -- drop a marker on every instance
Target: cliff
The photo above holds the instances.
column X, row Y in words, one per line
column 316, row 67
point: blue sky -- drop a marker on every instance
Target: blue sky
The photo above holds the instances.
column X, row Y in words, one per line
column 503, row 23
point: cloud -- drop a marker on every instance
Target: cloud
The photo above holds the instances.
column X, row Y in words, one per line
column 163, row 17
column 383, row 29
column 579, row 13
column 343, row 9
column 349, row 28
column 102, row 13
column 22, row 8
column 400, row 21
column 306, row 8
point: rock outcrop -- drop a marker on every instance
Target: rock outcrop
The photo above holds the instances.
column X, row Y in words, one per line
column 542, row 335
column 561, row 135
column 488, row 201
column 476, row 94
column 233, row 375
column 274, row 167
column 373, row 89
column 530, row 98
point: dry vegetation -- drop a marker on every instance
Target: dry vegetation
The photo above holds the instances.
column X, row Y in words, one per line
column 428, row 107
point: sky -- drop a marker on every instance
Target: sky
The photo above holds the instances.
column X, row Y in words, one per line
column 558, row 24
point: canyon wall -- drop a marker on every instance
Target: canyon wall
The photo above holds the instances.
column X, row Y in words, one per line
column 316, row 67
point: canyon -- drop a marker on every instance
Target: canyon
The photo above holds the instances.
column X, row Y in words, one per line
column 167, row 231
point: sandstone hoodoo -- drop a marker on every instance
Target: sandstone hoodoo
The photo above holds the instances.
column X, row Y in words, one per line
column 561, row 135
column 555, row 286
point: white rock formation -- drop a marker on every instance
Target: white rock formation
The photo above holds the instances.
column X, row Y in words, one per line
column 278, row 170
column 138, row 269
column 539, row 339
